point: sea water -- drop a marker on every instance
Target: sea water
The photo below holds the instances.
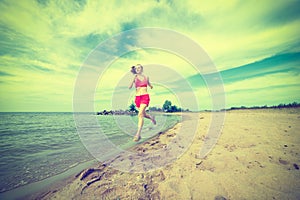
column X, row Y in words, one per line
column 38, row 146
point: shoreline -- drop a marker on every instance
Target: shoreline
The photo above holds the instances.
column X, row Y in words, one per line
column 33, row 189
column 47, row 193
column 256, row 156
column 40, row 188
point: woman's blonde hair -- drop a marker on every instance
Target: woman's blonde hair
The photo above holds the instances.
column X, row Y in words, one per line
column 133, row 68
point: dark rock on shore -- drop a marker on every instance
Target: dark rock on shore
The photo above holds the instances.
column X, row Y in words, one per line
column 116, row 112
column 219, row 197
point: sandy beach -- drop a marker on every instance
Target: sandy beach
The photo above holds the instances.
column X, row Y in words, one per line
column 256, row 157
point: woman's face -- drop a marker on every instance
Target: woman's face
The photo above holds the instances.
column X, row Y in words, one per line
column 138, row 69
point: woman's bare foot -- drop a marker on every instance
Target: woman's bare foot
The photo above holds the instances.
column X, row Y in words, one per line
column 136, row 138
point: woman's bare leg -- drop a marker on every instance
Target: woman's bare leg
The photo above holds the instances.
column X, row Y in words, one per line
column 141, row 116
column 152, row 118
column 142, row 113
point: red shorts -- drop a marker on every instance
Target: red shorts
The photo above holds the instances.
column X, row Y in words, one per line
column 143, row 99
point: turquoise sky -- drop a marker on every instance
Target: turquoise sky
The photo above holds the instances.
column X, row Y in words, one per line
column 254, row 45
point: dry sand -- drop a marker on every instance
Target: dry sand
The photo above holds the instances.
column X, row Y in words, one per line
column 256, row 157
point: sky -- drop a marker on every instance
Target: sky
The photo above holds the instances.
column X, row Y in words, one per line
column 55, row 52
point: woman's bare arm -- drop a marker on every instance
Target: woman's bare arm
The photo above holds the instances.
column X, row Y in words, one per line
column 150, row 85
column 131, row 84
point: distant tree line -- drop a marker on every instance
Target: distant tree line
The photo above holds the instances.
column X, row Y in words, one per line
column 289, row 105
column 166, row 107
column 132, row 108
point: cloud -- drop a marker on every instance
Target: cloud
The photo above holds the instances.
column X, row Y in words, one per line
column 44, row 43
column 275, row 64
column 244, row 31
column 5, row 74
column 279, row 72
column 280, row 13
column 262, row 82
column 252, row 97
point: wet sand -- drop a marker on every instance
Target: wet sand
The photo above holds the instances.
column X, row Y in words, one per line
column 256, row 157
